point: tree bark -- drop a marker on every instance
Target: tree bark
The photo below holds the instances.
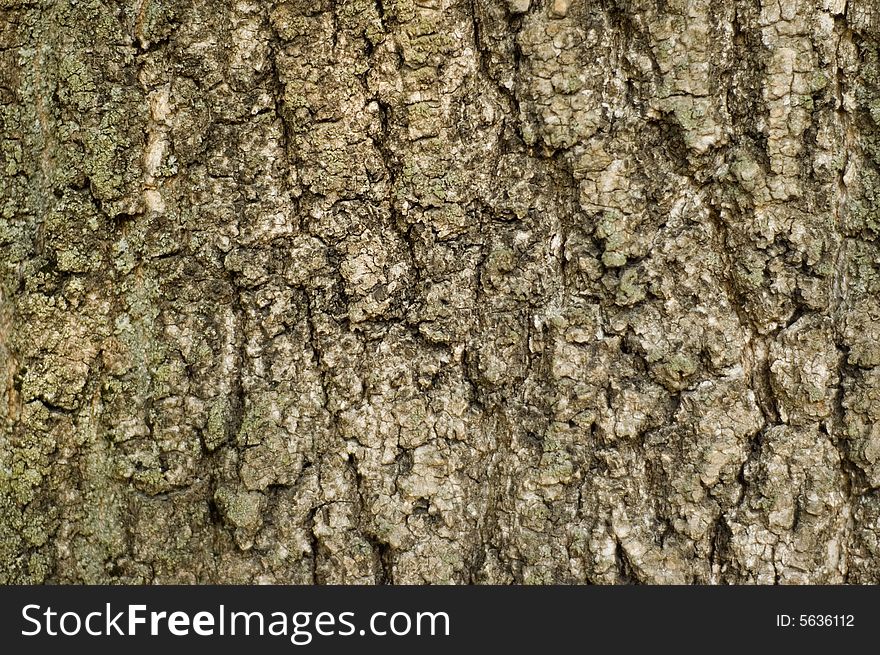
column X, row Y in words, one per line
column 466, row 291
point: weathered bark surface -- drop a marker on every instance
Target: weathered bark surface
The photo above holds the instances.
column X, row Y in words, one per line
column 439, row 291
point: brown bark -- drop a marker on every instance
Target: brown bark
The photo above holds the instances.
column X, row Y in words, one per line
column 413, row 291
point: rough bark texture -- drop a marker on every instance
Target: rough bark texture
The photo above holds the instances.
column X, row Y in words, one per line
column 411, row 291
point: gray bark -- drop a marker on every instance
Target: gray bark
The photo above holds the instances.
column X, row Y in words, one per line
column 469, row 291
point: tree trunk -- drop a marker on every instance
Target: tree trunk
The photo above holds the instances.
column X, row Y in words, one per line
column 470, row 291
